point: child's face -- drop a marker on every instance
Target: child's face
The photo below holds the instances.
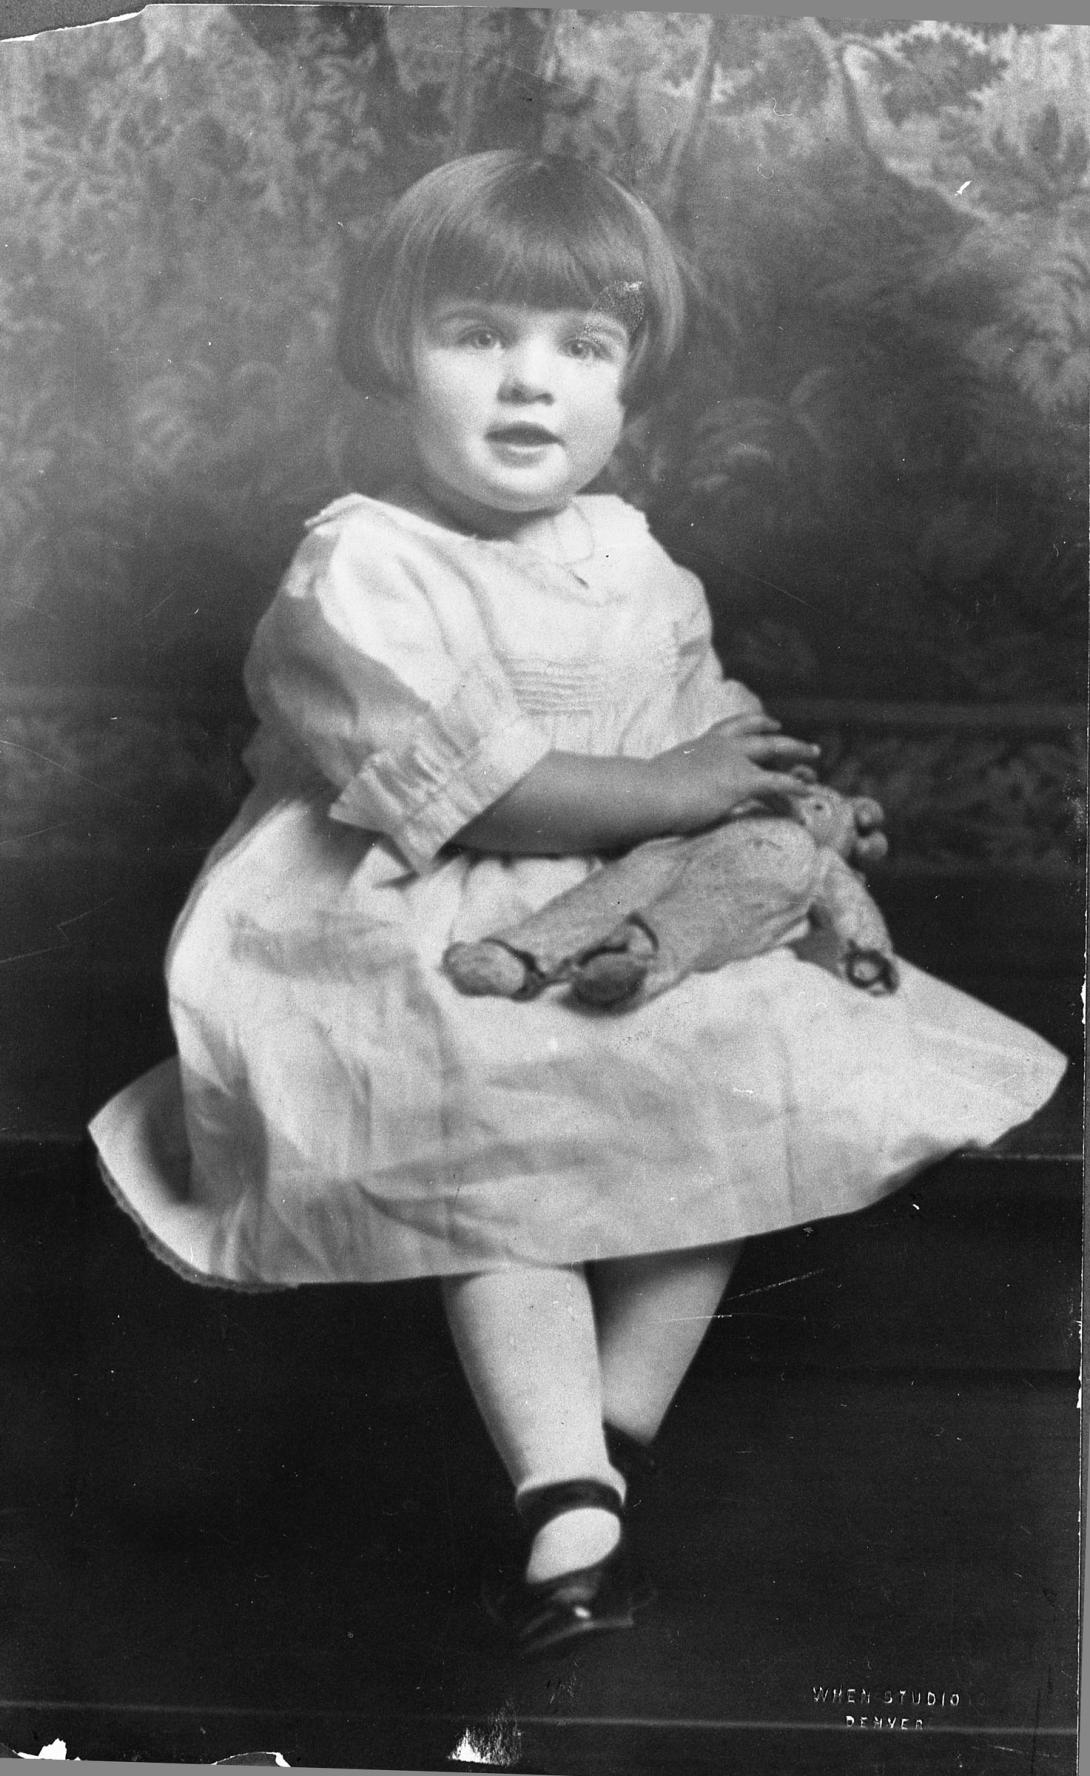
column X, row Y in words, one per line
column 514, row 409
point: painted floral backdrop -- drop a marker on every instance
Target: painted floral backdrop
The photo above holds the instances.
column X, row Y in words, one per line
column 875, row 453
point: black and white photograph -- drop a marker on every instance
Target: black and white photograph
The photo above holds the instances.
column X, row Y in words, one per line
column 543, row 662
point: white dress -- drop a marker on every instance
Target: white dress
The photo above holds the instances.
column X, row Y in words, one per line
column 339, row 1112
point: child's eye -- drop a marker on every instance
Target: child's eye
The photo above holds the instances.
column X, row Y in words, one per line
column 586, row 348
column 479, row 338
column 589, row 348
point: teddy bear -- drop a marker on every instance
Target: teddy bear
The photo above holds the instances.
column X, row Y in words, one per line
column 772, row 873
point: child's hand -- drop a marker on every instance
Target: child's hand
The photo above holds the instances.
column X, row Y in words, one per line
column 741, row 759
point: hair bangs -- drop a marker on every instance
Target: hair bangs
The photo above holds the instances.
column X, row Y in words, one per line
column 522, row 259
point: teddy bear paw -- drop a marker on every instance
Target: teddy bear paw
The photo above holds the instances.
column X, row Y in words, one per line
column 615, row 971
column 872, row 970
column 871, row 844
column 488, row 968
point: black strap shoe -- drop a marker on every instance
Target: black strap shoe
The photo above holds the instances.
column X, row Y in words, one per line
column 553, row 1615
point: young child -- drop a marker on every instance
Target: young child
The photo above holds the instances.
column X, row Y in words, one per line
column 469, row 691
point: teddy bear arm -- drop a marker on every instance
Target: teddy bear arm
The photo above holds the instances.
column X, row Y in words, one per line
column 864, row 947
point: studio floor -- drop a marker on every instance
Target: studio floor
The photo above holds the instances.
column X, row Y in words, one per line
column 233, row 1523
column 236, row 1523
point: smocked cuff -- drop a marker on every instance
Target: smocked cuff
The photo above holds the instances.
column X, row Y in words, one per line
column 458, row 762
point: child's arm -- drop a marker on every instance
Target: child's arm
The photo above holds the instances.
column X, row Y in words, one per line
column 569, row 802
column 372, row 665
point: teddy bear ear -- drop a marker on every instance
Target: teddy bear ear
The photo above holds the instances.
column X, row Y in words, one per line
column 869, row 814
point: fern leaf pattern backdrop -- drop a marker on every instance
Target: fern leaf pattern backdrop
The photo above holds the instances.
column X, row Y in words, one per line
column 874, row 454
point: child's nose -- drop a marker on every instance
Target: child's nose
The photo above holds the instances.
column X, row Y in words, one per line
column 527, row 372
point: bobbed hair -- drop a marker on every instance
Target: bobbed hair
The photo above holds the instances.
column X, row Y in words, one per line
column 505, row 226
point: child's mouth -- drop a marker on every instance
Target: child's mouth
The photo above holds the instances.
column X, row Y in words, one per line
column 522, row 436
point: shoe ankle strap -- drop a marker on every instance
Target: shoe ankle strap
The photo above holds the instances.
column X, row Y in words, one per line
column 542, row 1503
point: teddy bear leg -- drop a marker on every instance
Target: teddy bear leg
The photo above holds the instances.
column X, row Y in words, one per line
column 865, row 951
column 521, row 960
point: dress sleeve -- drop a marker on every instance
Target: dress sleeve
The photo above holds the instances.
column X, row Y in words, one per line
column 352, row 668
column 704, row 695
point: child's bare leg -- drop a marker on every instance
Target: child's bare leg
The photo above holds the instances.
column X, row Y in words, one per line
column 653, row 1312
column 527, row 1342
